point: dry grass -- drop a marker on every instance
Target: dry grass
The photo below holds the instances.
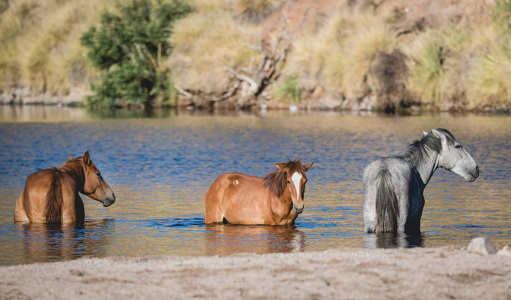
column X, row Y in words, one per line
column 337, row 56
column 45, row 53
column 207, row 42
column 490, row 71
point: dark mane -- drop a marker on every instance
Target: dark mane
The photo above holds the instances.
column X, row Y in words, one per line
column 415, row 152
column 276, row 180
column 74, row 168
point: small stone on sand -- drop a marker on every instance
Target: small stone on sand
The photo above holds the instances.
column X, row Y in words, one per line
column 481, row 245
column 506, row 251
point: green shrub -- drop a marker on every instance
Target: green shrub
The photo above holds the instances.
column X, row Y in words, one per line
column 129, row 47
column 289, row 89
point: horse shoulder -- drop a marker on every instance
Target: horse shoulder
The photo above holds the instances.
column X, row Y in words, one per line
column 70, row 197
column 69, row 185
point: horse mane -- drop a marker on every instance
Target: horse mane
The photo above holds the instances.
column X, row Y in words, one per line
column 416, row 151
column 54, row 204
column 276, row 181
column 74, row 168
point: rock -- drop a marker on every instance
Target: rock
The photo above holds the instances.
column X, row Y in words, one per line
column 481, row 245
column 506, row 251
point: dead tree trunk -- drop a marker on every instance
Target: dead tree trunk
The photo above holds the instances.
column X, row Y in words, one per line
column 248, row 83
column 254, row 79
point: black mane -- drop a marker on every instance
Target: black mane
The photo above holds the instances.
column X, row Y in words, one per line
column 415, row 152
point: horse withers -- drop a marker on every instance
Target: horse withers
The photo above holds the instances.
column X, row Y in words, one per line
column 394, row 186
column 51, row 195
column 276, row 199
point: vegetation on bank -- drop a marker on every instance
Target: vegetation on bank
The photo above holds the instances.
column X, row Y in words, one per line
column 129, row 48
column 349, row 54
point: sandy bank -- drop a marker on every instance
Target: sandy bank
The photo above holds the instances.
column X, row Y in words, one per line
column 440, row 273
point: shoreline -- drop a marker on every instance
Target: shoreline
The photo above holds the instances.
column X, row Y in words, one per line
column 418, row 273
column 293, row 108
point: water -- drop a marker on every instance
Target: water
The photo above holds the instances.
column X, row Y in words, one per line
column 161, row 165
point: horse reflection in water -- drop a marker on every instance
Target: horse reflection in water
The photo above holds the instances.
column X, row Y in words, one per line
column 387, row 240
column 227, row 239
column 44, row 242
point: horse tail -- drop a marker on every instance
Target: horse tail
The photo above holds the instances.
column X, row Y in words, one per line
column 387, row 210
column 54, row 199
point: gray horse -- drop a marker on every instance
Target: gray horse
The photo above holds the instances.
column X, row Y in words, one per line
column 394, row 186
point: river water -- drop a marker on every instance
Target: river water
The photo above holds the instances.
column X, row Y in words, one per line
column 161, row 164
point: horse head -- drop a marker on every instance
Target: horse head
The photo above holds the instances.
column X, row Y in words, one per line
column 295, row 181
column 94, row 185
column 453, row 157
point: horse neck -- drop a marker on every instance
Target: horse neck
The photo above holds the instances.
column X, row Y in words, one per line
column 282, row 201
column 75, row 170
column 285, row 198
column 427, row 166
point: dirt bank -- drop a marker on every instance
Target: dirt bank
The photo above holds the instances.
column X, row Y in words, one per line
column 440, row 273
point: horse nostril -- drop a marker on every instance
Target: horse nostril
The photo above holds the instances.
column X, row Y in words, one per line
column 477, row 169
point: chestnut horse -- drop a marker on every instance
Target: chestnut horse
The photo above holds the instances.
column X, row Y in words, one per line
column 51, row 195
column 276, row 199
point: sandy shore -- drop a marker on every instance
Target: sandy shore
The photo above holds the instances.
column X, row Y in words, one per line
column 421, row 273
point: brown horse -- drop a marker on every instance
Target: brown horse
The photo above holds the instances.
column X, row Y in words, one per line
column 276, row 199
column 51, row 195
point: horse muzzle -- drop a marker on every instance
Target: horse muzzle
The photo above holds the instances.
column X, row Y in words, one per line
column 109, row 200
column 297, row 209
column 473, row 175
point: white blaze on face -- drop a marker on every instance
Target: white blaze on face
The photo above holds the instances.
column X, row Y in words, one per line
column 297, row 177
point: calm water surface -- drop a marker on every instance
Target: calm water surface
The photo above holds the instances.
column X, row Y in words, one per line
column 160, row 167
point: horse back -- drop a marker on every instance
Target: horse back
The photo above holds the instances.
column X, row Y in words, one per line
column 237, row 197
column 386, row 193
column 44, row 194
column 399, row 170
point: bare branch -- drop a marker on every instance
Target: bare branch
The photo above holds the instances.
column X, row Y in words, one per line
column 253, row 85
column 257, row 48
column 139, row 51
column 125, row 49
column 159, row 54
column 151, row 58
column 229, row 93
column 183, row 92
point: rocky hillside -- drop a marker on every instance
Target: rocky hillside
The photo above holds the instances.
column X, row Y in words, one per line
column 387, row 55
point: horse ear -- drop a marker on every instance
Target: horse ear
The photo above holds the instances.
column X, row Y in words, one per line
column 439, row 135
column 70, row 157
column 308, row 166
column 86, row 158
column 280, row 166
column 424, row 133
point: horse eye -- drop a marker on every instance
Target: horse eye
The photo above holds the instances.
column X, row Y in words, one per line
column 288, row 181
column 458, row 146
column 98, row 174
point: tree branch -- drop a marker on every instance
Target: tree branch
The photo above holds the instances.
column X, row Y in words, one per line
column 183, row 92
column 253, row 85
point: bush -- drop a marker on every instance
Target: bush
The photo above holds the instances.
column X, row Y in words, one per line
column 129, row 48
column 289, row 89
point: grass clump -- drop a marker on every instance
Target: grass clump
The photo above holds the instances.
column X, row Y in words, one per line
column 289, row 89
column 207, row 42
column 489, row 83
